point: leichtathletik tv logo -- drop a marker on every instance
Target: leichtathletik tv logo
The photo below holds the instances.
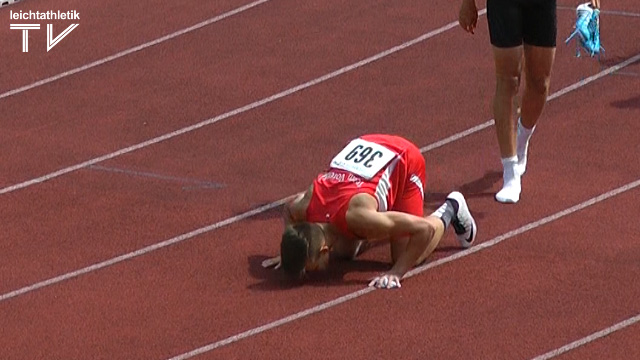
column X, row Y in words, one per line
column 38, row 18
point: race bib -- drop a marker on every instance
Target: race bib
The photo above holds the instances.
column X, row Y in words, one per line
column 363, row 158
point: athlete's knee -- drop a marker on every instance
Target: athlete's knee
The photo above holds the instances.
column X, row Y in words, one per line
column 507, row 84
column 538, row 85
column 539, row 61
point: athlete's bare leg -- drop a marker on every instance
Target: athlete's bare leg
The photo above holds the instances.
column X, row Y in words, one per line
column 537, row 69
column 508, row 65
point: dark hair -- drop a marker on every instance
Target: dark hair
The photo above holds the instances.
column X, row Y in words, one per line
column 299, row 243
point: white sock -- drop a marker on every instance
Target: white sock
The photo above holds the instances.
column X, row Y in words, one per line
column 511, row 187
column 522, row 145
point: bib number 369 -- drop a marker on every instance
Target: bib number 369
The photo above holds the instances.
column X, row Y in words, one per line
column 361, row 153
column 363, row 158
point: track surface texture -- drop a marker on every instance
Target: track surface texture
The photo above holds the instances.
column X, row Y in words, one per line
column 146, row 157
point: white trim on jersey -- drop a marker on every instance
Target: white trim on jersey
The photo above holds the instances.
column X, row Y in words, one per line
column 384, row 185
column 416, row 180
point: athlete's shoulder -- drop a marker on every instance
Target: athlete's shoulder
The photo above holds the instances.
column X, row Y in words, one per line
column 393, row 142
column 379, row 138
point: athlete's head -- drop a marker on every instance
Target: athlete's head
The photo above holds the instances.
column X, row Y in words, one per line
column 303, row 248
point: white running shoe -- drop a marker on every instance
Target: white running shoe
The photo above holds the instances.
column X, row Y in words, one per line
column 7, row 2
column 463, row 223
column 511, row 185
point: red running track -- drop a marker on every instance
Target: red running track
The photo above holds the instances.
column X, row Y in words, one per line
column 535, row 292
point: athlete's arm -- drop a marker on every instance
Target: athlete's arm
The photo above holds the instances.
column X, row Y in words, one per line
column 468, row 15
column 363, row 219
column 287, row 213
column 294, row 211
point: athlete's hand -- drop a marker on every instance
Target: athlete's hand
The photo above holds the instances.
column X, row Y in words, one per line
column 468, row 15
column 386, row 281
column 273, row 262
column 595, row 4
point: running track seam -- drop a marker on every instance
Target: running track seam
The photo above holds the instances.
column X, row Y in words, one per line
column 133, row 49
column 416, row 271
column 267, row 207
column 231, row 113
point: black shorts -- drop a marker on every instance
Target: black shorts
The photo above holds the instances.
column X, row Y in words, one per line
column 514, row 22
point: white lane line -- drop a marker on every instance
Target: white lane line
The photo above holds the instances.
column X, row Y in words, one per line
column 587, row 339
column 231, row 113
column 132, row 50
column 416, row 271
column 275, row 324
column 553, row 96
column 275, row 204
column 144, row 250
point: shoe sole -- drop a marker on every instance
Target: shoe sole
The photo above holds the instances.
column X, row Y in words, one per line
column 474, row 228
column 474, row 232
column 505, row 201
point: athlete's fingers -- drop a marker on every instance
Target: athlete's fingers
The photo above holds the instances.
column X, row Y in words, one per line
column 379, row 282
column 463, row 19
column 465, row 26
column 471, row 24
column 274, row 261
column 471, row 28
column 386, row 282
column 462, row 24
column 393, row 283
column 595, row 4
column 396, row 282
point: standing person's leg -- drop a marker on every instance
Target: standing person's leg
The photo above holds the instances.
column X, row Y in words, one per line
column 538, row 63
column 508, row 66
column 505, row 30
column 540, row 30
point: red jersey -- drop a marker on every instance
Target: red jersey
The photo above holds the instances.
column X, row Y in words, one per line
column 389, row 168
